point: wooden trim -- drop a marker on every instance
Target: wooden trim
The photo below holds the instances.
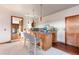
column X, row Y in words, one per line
column 11, row 28
column 17, row 17
column 71, row 16
column 65, row 32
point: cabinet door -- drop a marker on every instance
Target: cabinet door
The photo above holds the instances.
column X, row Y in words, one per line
column 53, row 37
column 47, row 41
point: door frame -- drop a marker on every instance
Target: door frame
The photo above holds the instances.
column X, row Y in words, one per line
column 11, row 23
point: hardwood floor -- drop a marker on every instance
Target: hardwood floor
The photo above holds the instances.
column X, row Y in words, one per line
column 67, row 48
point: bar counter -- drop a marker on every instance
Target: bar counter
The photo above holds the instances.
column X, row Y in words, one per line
column 47, row 39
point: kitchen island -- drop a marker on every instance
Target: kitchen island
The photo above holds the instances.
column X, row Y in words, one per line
column 47, row 39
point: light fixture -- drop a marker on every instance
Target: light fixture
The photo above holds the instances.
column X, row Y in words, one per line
column 41, row 12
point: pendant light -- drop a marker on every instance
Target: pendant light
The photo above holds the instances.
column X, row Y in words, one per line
column 41, row 12
column 33, row 22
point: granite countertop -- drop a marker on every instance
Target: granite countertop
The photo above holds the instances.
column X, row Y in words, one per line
column 46, row 33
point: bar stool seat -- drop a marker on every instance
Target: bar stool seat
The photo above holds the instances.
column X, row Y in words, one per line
column 32, row 39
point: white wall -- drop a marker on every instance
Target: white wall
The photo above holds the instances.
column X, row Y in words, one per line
column 58, row 20
column 5, row 23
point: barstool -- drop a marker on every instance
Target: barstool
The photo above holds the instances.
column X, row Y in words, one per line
column 33, row 40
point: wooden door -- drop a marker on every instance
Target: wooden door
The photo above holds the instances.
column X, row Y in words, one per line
column 72, row 30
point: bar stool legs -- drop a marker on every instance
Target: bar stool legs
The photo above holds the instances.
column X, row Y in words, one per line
column 24, row 42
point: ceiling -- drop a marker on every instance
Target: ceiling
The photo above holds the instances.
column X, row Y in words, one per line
column 53, row 8
column 27, row 9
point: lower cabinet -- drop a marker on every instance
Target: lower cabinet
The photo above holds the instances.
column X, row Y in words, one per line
column 15, row 36
column 47, row 39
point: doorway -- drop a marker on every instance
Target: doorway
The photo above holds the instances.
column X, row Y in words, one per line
column 16, row 27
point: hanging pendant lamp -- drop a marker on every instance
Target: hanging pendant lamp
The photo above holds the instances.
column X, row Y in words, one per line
column 33, row 21
column 41, row 12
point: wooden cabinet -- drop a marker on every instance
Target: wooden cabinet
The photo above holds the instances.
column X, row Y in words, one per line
column 72, row 30
column 54, row 37
column 46, row 39
column 15, row 36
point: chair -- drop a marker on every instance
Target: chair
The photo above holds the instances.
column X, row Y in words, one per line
column 32, row 39
column 23, row 37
